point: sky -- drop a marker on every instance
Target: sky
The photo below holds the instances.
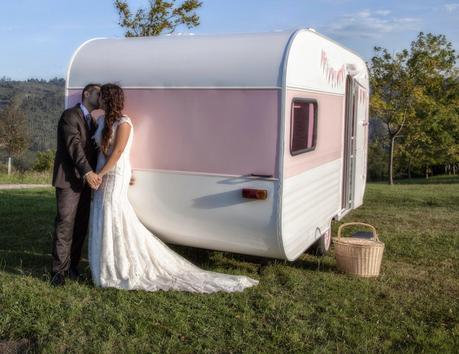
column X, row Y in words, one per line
column 38, row 37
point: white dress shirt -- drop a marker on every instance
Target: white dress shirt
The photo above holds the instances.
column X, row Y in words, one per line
column 86, row 114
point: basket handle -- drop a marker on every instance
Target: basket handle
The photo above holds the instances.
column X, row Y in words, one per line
column 375, row 235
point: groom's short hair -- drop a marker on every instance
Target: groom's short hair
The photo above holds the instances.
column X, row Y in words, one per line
column 89, row 88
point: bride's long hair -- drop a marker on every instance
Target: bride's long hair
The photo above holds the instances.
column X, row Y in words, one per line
column 113, row 97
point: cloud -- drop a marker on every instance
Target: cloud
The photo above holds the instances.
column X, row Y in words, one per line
column 451, row 7
column 371, row 24
column 382, row 12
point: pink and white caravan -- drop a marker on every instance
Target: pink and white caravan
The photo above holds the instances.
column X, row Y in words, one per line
column 248, row 143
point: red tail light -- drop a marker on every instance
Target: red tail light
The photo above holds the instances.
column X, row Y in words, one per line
column 261, row 194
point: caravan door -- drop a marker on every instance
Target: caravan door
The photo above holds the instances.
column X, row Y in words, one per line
column 349, row 149
column 355, row 145
column 361, row 144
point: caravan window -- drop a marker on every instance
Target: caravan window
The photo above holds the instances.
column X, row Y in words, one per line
column 303, row 126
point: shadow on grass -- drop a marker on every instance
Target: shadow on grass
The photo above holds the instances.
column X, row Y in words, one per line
column 211, row 259
column 23, row 261
column 24, row 345
column 444, row 179
column 314, row 263
column 431, row 180
column 26, row 229
column 26, row 239
column 26, row 242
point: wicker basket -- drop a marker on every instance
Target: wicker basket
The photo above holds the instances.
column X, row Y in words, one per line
column 358, row 256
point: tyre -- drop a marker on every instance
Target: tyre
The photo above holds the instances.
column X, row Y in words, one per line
column 322, row 245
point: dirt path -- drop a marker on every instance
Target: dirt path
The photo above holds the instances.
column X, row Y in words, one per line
column 23, row 186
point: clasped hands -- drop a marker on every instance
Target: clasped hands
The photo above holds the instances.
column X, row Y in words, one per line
column 94, row 180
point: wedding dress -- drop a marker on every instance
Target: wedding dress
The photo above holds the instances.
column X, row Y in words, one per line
column 124, row 254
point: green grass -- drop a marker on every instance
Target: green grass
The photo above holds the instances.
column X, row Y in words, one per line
column 440, row 179
column 303, row 306
column 28, row 177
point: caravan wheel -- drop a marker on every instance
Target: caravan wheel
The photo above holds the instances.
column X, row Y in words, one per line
column 322, row 245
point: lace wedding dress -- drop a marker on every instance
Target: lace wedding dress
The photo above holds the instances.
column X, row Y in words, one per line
column 124, row 254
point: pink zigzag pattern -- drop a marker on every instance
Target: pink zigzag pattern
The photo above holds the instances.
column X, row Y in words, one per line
column 334, row 77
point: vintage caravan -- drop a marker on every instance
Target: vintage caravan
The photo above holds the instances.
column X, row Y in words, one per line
column 248, row 143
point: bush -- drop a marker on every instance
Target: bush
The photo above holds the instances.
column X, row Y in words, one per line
column 44, row 161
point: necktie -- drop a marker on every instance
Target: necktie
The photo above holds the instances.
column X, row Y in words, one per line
column 88, row 120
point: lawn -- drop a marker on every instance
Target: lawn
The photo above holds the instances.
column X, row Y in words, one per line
column 28, row 177
column 301, row 306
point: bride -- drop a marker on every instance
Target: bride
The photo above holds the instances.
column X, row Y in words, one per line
column 122, row 252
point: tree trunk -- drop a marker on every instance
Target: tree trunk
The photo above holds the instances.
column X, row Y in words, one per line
column 391, row 160
column 409, row 170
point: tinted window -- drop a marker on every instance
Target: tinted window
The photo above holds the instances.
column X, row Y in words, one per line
column 303, row 126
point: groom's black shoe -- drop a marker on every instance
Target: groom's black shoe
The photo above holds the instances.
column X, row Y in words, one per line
column 74, row 274
column 58, row 279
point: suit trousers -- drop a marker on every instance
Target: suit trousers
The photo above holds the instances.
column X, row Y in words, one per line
column 70, row 227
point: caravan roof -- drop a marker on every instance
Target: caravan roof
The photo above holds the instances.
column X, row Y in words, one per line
column 255, row 60
column 238, row 60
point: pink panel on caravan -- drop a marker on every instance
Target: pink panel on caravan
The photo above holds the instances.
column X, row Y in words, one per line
column 207, row 131
column 329, row 133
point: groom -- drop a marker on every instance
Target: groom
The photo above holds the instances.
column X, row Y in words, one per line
column 73, row 177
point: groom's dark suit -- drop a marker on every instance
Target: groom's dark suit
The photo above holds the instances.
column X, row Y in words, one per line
column 76, row 155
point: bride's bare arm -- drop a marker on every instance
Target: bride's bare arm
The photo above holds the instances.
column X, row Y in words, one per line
column 121, row 139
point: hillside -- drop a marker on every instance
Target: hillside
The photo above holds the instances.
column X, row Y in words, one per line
column 42, row 102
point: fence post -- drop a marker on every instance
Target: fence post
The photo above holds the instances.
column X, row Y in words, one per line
column 9, row 166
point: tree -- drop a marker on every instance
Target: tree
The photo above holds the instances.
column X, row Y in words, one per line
column 162, row 16
column 432, row 138
column 416, row 91
column 377, row 161
column 392, row 95
column 14, row 136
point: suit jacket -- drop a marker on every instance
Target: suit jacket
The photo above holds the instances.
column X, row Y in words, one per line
column 76, row 152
